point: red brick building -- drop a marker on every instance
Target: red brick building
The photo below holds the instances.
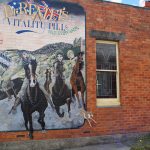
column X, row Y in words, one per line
column 128, row 29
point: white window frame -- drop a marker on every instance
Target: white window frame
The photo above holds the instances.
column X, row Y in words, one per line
column 110, row 102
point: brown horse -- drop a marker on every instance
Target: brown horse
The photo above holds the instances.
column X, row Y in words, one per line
column 76, row 79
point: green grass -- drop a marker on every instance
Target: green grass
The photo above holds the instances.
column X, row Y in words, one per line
column 143, row 143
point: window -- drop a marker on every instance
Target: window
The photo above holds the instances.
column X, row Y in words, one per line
column 107, row 73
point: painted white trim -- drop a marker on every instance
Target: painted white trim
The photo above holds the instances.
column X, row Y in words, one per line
column 105, row 102
column 105, row 70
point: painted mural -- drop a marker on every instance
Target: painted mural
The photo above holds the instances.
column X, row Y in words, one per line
column 42, row 65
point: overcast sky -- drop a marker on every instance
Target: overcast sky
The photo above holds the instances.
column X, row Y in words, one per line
column 131, row 2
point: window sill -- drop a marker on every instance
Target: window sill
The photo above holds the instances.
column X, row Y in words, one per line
column 108, row 102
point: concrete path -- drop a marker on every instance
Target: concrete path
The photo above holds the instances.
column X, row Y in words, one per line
column 103, row 147
column 114, row 142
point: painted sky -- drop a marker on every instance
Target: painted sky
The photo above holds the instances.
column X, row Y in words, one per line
column 130, row 2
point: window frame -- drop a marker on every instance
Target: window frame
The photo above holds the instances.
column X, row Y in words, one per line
column 109, row 102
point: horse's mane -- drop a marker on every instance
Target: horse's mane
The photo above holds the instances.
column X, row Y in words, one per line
column 81, row 65
column 34, row 65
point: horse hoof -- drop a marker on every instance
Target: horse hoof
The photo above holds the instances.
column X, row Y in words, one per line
column 61, row 115
column 43, row 131
column 30, row 136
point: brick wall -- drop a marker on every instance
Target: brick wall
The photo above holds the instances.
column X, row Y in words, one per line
column 147, row 3
column 134, row 60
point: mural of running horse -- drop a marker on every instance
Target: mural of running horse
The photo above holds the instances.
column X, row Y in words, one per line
column 77, row 80
column 61, row 94
column 34, row 100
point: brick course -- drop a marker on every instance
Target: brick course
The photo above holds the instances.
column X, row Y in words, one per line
column 134, row 62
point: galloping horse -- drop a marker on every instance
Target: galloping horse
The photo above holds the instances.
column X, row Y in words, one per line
column 60, row 93
column 76, row 79
column 34, row 99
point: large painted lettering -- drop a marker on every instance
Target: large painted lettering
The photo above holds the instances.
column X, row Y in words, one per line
column 43, row 10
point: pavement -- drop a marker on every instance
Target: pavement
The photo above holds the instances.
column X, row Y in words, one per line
column 110, row 146
column 109, row 142
column 114, row 146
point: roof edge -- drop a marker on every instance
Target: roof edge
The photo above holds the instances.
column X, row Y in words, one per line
column 128, row 5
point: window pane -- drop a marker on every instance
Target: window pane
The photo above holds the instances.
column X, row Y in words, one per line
column 106, row 85
column 106, row 56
